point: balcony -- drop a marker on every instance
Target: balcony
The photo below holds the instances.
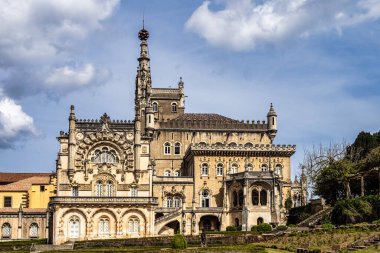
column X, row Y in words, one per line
column 105, row 200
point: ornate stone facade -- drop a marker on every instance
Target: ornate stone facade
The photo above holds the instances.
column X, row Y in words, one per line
column 167, row 170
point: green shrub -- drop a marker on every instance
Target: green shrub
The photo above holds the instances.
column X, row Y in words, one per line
column 327, row 226
column 282, row 227
column 314, row 250
column 179, row 242
column 254, row 228
column 264, row 227
column 231, row 228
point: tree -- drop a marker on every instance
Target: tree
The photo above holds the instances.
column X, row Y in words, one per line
column 319, row 158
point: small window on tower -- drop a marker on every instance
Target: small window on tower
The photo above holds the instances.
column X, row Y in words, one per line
column 177, row 148
column 42, row 188
column 174, row 107
column 155, row 106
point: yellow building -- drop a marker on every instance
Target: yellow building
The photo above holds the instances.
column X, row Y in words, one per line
column 24, row 200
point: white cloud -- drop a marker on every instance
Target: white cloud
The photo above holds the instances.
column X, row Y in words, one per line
column 15, row 124
column 67, row 77
column 38, row 37
column 242, row 24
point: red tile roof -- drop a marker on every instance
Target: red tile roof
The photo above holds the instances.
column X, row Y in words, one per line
column 25, row 184
column 203, row 117
column 9, row 177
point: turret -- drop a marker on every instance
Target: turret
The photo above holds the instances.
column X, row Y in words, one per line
column 272, row 122
column 72, row 142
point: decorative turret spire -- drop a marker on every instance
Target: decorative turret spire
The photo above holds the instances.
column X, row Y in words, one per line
column 272, row 122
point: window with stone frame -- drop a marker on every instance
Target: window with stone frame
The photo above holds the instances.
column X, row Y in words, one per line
column 205, row 198
column 174, row 107
column 74, row 191
column 133, row 225
column 177, row 202
column 204, row 169
column 167, row 148
column 33, row 230
column 155, row 106
column 234, row 168
column 278, row 170
column 219, row 169
column 177, row 148
column 104, row 226
column 104, row 155
column 264, row 167
column 263, row 197
column 167, row 173
column 134, row 192
column 6, row 231
column 74, row 227
column 177, row 173
column 255, row 197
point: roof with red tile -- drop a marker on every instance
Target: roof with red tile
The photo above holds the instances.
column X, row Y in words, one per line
column 203, row 117
column 13, row 177
column 25, row 184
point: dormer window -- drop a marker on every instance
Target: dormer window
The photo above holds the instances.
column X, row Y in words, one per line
column 174, row 107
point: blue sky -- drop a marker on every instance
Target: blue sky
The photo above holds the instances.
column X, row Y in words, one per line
column 316, row 61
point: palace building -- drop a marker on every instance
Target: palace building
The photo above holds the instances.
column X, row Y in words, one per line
column 168, row 171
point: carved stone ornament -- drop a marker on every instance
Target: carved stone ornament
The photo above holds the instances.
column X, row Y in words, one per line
column 105, row 119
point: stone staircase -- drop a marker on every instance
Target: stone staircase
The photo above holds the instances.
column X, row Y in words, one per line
column 168, row 217
column 50, row 247
column 365, row 243
column 315, row 218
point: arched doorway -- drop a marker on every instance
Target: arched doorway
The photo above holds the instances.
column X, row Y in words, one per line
column 260, row 221
column 170, row 228
column 209, row 222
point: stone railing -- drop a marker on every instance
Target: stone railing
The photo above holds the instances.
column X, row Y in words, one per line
column 251, row 174
column 168, row 216
column 165, row 179
column 104, row 200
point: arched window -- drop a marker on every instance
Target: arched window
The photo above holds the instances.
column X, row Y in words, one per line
column 264, row 167
column 241, row 198
column 169, row 202
column 218, row 144
column 134, row 192
column 177, row 148
column 104, row 155
column 74, row 227
column 263, row 197
column 104, row 226
column 204, row 169
column 99, row 188
column 174, row 107
column 109, row 189
column 234, row 168
column 278, row 170
column 219, row 169
column 205, row 198
column 202, row 144
column 248, row 145
column 249, row 167
column 177, row 202
column 6, row 231
column 167, row 173
column 133, row 225
column 167, row 148
column 260, row 221
column 33, row 230
column 177, row 173
column 234, row 199
column 232, row 145
column 155, row 107
column 255, row 197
